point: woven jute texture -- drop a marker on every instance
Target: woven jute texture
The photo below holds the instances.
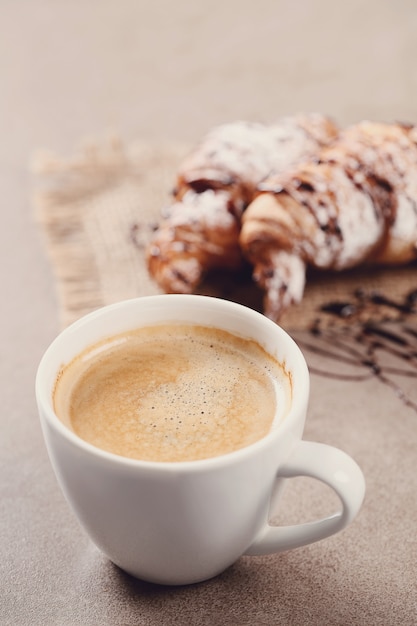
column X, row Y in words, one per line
column 99, row 208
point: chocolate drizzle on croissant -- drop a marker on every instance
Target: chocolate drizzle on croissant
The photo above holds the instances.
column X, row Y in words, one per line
column 354, row 203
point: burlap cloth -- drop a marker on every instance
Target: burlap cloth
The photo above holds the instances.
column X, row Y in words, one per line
column 97, row 211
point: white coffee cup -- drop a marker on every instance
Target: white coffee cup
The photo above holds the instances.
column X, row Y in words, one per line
column 179, row 523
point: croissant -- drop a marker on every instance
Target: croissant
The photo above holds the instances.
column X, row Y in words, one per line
column 200, row 230
column 355, row 202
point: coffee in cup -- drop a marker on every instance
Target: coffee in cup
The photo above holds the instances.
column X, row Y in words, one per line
column 172, row 392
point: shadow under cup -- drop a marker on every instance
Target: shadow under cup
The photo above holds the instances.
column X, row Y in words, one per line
column 183, row 522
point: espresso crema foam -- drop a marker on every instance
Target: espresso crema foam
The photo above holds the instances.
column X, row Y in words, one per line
column 172, row 393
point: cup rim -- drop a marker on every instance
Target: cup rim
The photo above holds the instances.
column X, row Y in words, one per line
column 48, row 414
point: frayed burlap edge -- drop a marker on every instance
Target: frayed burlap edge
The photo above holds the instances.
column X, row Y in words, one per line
column 97, row 211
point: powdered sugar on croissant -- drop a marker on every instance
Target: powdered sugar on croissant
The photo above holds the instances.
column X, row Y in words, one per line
column 200, row 230
column 355, row 202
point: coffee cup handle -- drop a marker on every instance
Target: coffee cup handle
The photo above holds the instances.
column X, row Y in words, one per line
column 334, row 468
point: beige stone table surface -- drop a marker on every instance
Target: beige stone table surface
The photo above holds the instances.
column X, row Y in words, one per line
column 159, row 70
